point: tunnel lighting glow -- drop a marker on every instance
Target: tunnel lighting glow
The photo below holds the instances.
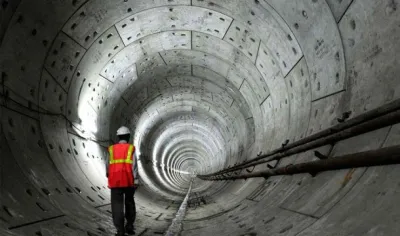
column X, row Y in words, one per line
column 89, row 125
column 88, row 118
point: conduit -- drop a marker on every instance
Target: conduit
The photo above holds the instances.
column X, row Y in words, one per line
column 373, row 120
column 380, row 157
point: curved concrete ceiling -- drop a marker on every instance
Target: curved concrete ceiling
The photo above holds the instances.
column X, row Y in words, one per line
column 204, row 85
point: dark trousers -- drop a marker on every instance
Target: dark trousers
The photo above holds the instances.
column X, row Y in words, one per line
column 117, row 207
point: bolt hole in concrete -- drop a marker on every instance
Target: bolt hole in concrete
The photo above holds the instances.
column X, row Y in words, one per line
column 29, row 192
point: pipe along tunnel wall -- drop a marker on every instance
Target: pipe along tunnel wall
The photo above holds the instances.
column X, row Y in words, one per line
column 204, row 85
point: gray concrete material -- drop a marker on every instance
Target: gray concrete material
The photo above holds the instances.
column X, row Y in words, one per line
column 178, row 138
column 338, row 8
column 281, row 103
column 33, row 161
column 103, row 15
column 62, row 156
column 52, row 96
column 239, row 61
column 324, row 54
column 16, row 102
column 269, row 129
column 197, row 58
column 268, row 24
column 248, row 92
column 235, row 77
column 212, row 220
column 324, row 113
column 285, row 222
column 93, row 60
column 149, row 220
column 193, row 104
column 122, row 84
column 300, row 100
column 94, row 93
column 61, row 226
column 193, row 144
column 239, row 36
column 150, row 64
column 27, row 42
column 209, row 105
column 198, row 127
column 333, row 185
column 138, row 50
column 288, row 55
column 7, row 10
column 275, row 221
column 63, row 56
column 370, row 49
column 279, row 96
column 171, row 18
column 215, row 111
column 91, row 163
column 21, row 201
column 370, row 198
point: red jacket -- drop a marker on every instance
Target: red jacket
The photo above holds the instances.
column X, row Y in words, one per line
column 120, row 165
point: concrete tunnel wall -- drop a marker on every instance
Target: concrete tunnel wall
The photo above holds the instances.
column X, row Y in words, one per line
column 205, row 85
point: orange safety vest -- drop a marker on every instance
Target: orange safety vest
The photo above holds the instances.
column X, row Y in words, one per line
column 120, row 173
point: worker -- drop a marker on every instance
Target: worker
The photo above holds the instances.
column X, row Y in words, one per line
column 122, row 174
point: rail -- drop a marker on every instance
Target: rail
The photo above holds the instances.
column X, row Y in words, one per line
column 176, row 226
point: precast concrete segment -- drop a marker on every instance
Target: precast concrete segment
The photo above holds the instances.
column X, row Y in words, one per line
column 171, row 18
column 263, row 71
column 211, row 100
column 324, row 53
column 181, row 143
column 28, row 41
column 86, row 78
column 187, row 144
column 158, row 110
column 371, row 188
column 377, row 63
column 191, row 124
column 191, row 101
column 266, row 23
column 94, row 18
column 198, row 145
column 194, row 156
column 204, row 130
column 149, row 45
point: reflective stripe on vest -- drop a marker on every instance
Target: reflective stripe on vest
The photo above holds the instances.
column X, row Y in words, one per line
column 127, row 160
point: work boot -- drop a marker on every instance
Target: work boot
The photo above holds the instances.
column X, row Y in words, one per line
column 129, row 230
column 120, row 233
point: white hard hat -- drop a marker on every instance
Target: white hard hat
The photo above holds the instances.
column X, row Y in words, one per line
column 123, row 130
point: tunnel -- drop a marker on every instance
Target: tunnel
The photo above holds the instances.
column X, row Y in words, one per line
column 204, row 86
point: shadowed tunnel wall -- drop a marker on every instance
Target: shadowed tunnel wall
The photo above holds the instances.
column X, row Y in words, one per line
column 204, row 85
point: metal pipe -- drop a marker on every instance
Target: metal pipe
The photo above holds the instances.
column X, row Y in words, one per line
column 351, row 131
column 379, row 157
column 387, row 120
